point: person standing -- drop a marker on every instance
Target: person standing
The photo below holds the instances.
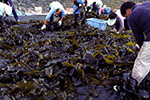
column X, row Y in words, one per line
column 10, row 3
column 56, row 14
column 139, row 21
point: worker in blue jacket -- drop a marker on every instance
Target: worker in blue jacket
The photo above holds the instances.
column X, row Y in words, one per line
column 77, row 7
column 56, row 14
column 139, row 21
column 10, row 3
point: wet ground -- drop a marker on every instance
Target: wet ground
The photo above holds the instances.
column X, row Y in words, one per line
column 28, row 18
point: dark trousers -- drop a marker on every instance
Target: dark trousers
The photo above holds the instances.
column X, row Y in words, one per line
column 54, row 25
column 76, row 17
column 1, row 21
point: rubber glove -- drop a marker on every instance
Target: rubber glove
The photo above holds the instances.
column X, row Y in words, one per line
column 43, row 27
column 80, row 5
column 60, row 23
column 137, row 46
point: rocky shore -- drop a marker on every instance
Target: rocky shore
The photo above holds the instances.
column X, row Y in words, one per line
column 28, row 6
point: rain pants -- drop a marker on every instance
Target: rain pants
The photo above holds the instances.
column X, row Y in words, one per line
column 142, row 63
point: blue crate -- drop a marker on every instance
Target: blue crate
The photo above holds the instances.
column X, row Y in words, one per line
column 97, row 23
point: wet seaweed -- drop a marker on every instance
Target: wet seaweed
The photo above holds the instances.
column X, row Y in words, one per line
column 72, row 63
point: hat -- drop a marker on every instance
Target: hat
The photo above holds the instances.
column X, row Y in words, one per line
column 111, row 22
column 112, row 19
column 126, row 6
column 8, row 10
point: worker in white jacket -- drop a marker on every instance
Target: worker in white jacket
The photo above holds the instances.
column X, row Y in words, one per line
column 5, row 9
column 56, row 14
column 94, row 5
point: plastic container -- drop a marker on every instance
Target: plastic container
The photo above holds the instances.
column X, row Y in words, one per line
column 97, row 23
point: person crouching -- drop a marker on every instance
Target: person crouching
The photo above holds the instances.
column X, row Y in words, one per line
column 94, row 5
column 5, row 10
column 55, row 16
column 115, row 22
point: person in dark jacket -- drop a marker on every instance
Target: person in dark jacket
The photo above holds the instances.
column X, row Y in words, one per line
column 126, row 24
column 139, row 21
column 10, row 3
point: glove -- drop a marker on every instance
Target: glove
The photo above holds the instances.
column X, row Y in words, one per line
column 117, row 32
column 114, row 30
column 80, row 5
column 137, row 46
column 90, row 10
column 43, row 27
column 60, row 23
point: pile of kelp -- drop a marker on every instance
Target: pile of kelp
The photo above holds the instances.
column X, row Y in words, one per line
column 72, row 63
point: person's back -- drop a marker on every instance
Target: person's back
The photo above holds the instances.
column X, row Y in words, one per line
column 139, row 20
column 5, row 9
column 53, row 7
column 56, row 5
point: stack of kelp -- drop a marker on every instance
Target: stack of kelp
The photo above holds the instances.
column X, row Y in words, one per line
column 73, row 63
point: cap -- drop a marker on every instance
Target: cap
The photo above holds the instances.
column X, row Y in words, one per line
column 111, row 22
column 112, row 18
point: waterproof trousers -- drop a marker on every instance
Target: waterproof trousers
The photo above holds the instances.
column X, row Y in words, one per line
column 142, row 63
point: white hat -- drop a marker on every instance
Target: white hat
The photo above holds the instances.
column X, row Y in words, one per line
column 8, row 10
column 111, row 22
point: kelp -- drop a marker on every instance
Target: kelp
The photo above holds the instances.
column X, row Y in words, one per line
column 71, row 63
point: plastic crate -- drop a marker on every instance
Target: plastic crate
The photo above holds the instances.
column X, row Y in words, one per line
column 97, row 23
